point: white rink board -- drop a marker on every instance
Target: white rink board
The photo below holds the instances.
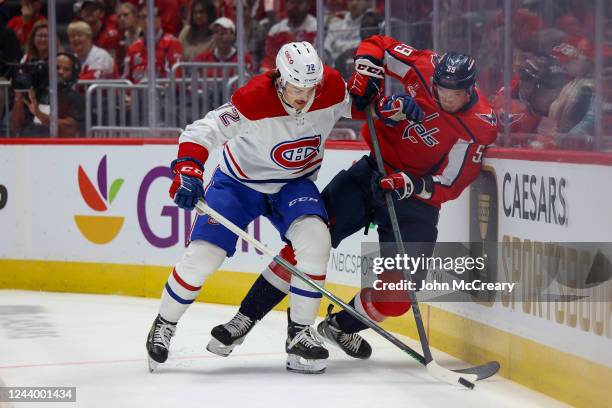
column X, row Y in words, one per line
column 44, row 196
column 569, row 327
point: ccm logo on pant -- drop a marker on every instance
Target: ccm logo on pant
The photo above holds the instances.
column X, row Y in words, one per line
column 303, row 200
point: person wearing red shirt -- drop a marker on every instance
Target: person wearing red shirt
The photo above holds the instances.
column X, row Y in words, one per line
column 30, row 14
column 105, row 36
column 432, row 141
column 298, row 26
column 170, row 12
column 224, row 38
column 168, row 51
column 129, row 26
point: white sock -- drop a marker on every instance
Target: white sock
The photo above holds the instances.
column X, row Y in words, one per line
column 310, row 239
column 199, row 261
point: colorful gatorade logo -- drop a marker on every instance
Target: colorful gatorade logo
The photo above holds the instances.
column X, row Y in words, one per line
column 99, row 229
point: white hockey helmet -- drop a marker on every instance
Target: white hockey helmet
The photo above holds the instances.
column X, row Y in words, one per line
column 299, row 64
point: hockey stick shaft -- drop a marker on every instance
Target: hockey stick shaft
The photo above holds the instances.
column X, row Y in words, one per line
column 203, row 208
column 434, row 368
column 398, row 237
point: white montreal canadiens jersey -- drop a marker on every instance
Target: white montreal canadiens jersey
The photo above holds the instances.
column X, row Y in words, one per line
column 264, row 146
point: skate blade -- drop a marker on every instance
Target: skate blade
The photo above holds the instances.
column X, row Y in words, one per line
column 153, row 365
column 220, row 349
column 297, row 364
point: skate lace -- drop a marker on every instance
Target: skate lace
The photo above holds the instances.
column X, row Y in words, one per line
column 351, row 341
column 239, row 325
column 308, row 337
column 163, row 333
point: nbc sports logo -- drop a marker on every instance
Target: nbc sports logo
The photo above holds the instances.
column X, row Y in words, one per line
column 99, row 229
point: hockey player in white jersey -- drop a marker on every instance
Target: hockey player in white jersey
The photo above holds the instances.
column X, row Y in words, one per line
column 273, row 132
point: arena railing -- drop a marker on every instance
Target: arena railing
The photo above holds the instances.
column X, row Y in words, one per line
column 120, row 109
column 194, row 92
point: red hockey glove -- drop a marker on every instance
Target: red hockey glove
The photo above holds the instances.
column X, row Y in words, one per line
column 188, row 184
column 394, row 108
column 402, row 183
column 366, row 83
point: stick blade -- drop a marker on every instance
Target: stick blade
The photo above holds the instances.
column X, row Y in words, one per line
column 450, row 377
column 482, row 371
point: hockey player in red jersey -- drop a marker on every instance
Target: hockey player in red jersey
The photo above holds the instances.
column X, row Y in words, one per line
column 428, row 162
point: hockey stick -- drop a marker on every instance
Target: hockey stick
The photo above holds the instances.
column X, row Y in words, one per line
column 437, row 371
column 470, row 374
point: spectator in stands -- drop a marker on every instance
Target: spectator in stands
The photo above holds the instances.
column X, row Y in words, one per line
column 170, row 13
column 31, row 12
column 110, row 16
column 168, row 51
column 10, row 52
column 540, row 80
column 225, row 50
column 254, row 36
column 343, row 34
column 196, row 37
column 336, row 10
column 127, row 19
column 371, row 24
column 37, row 45
column 30, row 113
column 579, row 19
column 96, row 63
column 298, row 26
column 104, row 36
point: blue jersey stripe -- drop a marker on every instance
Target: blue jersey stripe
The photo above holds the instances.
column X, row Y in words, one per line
column 306, row 293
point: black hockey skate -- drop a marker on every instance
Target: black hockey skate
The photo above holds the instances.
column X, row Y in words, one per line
column 158, row 341
column 227, row 336
column 305, row 350
column 351, row 343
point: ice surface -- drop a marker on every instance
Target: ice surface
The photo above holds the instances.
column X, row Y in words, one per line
column 97, row 344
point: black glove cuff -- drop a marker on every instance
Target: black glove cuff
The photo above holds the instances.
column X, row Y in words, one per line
column 427, row 185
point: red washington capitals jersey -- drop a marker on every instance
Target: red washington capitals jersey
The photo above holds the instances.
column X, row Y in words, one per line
column 449, row 147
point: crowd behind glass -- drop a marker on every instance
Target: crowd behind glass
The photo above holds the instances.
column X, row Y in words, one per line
column 546, row 65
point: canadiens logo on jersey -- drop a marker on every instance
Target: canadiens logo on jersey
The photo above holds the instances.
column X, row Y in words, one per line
column 296, row 154
column 490, row 117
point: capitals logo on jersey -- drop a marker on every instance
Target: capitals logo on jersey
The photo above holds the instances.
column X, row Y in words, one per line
column 296, row 154
column 426, row 135
column 490, row 118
